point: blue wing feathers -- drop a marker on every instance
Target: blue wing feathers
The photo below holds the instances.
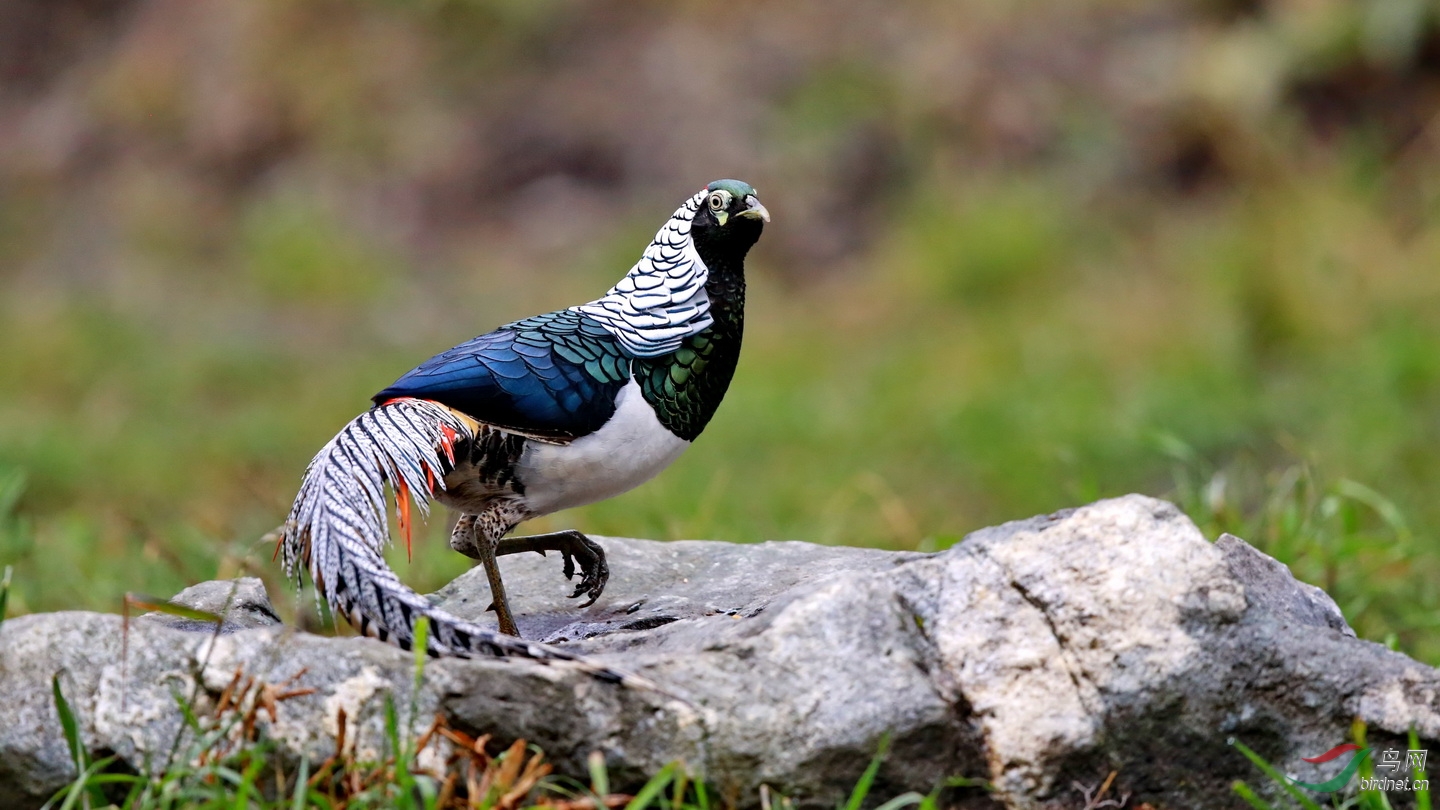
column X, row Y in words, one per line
column 553, row 375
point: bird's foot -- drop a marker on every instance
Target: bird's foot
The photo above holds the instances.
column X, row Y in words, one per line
column 573, row 547
column 594, row 570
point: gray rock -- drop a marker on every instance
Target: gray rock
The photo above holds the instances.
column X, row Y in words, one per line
column 1036, row 655
column 1271, row 589
column 241, row 604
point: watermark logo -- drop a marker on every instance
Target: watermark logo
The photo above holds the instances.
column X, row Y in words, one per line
column 1390, row 759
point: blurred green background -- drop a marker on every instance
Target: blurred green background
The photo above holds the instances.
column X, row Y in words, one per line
column 1024, row 255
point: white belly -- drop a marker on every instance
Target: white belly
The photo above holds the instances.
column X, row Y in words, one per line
column 624, row 453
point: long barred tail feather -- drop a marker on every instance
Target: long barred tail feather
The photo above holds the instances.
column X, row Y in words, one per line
column 337, row 529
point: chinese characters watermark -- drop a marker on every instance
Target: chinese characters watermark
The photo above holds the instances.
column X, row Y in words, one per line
column 1395, row 769
column 1390, row 760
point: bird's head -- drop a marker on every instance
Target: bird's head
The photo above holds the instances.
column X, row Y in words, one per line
column 730, row 218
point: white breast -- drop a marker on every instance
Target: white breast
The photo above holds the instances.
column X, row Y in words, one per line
column 624, row 453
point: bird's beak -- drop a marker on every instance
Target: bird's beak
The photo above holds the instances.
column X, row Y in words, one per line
column 754, row 210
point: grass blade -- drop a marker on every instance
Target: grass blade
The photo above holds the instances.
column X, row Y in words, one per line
column 702, row 798
column 190, row 720
column 68, row 726
column 5, row 591
column 1243, row 791
column 302, row 787
column 158, row 605
column 903, row 800
column 867, row 779
column 653, row 788
column 421, row 648
column 86, row 788
column 1275, row 776
column 12, row 486
column 1368, row 799
column 1422, row 797
column 599, row 777
column 400, row 750
column 392, row 726
column 247, row 783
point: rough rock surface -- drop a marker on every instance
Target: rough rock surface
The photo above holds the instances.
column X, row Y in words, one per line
column 1036, row 655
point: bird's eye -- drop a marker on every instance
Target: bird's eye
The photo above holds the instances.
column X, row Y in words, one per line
column 717, row 201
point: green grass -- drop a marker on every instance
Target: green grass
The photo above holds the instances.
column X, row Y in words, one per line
column 1007, row 350
column 5, row 591
column 1350, row 797
column 223, row 762
column 1021, row 334
column 1341, row 535
column 222, row 758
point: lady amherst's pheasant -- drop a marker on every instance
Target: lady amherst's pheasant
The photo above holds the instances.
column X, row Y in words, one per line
column 542, row 414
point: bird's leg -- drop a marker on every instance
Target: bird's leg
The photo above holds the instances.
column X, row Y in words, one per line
column 476, row 536
column 572, row 545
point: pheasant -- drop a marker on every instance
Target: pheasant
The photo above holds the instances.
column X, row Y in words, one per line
column 540, row 415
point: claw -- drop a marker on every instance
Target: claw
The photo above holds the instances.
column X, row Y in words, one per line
column 594, row 594
column 581, row 556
